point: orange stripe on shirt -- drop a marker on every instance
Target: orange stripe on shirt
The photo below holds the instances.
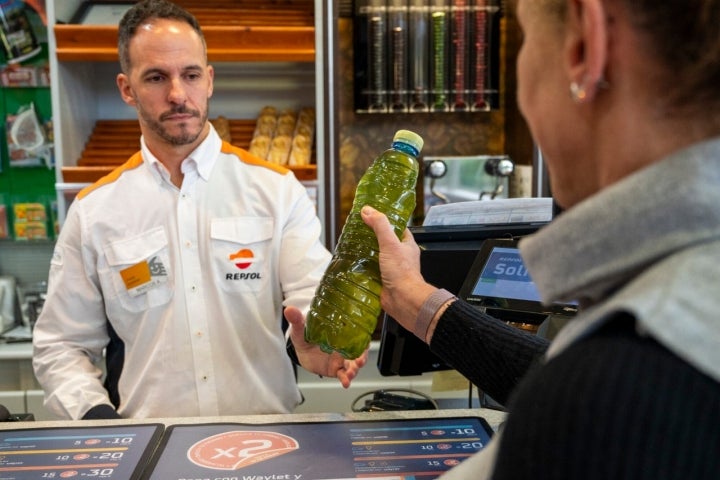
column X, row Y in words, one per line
column 134, row 162
column 249, row 158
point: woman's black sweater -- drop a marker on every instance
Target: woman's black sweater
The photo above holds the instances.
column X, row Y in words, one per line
column 616, row 405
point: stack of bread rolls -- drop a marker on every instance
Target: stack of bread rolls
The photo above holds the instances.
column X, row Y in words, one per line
column 284, row 137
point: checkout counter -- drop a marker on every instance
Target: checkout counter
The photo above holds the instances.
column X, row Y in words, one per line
column 388, row 445
column 394, row 444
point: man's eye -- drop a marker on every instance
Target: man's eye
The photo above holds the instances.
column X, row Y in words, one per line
column 155, row 79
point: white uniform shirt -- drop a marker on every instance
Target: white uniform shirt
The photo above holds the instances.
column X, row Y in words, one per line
column 191, row 280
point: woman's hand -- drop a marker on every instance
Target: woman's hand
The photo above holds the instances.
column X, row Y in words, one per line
column 404, row 289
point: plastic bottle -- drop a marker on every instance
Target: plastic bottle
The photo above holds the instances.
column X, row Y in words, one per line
column 346, row 306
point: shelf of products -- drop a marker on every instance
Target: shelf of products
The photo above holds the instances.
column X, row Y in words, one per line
column 249, row 42
column 272, row 44
column 235, row 30
column 112, row 142
column 416, row 56
column 27, row 176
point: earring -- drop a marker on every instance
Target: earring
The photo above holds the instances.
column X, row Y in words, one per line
column 577, row 92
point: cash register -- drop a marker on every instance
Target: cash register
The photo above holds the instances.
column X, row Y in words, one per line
column 481, row 265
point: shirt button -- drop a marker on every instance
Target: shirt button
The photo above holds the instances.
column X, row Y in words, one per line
column 193, row 289
column 188, row 243
column 204, row 377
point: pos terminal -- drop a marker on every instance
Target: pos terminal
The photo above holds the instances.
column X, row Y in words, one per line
column 499, row 283
column 464, row 261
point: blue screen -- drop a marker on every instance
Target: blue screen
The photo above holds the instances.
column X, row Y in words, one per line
column 505, row 276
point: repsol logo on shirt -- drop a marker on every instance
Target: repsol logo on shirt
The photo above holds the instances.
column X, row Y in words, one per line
column 242, row 276
column 243, row 259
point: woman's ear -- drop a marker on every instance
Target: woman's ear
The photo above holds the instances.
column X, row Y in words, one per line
column 586, row 47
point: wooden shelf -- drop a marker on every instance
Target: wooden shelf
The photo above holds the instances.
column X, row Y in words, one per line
column 112, row 142
column 93, row 174
column 235, row 30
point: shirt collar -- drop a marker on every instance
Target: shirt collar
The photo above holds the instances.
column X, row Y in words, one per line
column 201, row 160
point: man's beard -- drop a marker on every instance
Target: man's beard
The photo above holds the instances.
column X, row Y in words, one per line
column 185, row 137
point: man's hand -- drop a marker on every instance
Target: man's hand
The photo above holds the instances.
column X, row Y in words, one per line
column 315, row 360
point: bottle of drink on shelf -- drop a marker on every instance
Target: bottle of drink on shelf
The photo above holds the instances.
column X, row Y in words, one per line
column 345, row 310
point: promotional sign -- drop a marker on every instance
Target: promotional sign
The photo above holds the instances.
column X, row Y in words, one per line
column 111, row 453
column 403, row 449
column 394, row 449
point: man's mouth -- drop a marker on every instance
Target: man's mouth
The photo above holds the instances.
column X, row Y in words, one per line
column 178, row 116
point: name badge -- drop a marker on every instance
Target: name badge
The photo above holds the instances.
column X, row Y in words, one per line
column 144, row 276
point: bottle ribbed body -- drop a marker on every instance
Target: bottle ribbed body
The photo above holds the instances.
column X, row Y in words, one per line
column 346, row 306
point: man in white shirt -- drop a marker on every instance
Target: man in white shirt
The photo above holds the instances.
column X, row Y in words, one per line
column 179, row 262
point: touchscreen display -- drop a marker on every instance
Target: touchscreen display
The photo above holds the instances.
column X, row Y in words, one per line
column 393, row 449
column 117, row 452
column 499, row 280
column 505, row 275
column 385, row 449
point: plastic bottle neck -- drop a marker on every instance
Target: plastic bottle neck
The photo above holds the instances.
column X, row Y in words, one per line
column 405, row 148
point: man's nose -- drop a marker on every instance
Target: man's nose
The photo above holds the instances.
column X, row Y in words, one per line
column 177, row 92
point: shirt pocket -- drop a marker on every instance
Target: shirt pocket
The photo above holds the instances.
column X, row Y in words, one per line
column 241, row 249
column 140, row 270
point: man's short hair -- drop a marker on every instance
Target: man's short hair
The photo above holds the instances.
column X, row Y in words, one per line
column 144, row 11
